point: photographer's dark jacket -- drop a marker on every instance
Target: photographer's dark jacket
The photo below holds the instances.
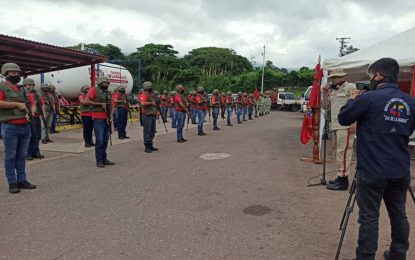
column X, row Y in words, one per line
column 385, row 119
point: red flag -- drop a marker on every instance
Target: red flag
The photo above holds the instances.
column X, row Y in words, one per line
column 256, row 94
column 314, row 100
column 307, row 129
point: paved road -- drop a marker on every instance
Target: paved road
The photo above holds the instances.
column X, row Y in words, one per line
column 174, row 205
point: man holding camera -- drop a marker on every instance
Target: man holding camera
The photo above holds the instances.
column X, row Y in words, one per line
column 336, row 93
column 385, row 119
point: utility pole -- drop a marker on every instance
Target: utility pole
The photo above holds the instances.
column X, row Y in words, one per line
column 263, row 70
column 342, row 41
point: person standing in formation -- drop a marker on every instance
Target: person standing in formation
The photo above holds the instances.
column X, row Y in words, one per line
column 250, row 105
column 15, row 129
column 181, row 107
column 164, row 105
column 244, row 106
column 201, row 108
column 56, row 108
column 49, row 109
column 86, row 117
column 100, row 100
column 239, row 107
column 121, row 110
column 216, row 103
column 172, row 109
column 33, row 150
column 230, row 104
column 149, row 108
column 222, row 105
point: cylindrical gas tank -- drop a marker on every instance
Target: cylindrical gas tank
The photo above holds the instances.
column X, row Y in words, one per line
column 69, row 82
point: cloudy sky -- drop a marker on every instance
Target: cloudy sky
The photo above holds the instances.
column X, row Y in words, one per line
column 294, row 32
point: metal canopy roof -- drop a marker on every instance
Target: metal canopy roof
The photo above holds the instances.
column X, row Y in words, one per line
column 35, row 57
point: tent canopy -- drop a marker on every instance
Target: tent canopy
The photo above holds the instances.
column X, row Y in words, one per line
column 400, row 47
column 35, row 57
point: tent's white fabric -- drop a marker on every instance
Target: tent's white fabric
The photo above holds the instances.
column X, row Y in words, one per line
column 400, row 47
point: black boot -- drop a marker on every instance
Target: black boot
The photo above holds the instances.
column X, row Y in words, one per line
column 100, row 165
column 39, row 156
column 387, row 255
column 148, row 149
column 153, row 148
column 26, row 185
column 342, row 184
column 334, row 181
column 108, row 162
column 14, row 188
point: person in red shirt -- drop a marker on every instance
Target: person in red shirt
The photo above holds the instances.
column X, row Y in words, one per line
column 14, row 115
column 164, row 105
column 139, row 105
column 86, row 117
column 229, row 107
column 216, row 106
column 201, row 108
column 172, row 109
column 250, row 106
column 121, row 110
column 245, row 106
column 181, row 106
column 149, row 108
column 222, row 105
column 100, row 100
column 239, row 107
column 33, row 150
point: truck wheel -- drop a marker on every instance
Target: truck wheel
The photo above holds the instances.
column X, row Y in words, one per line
column 294, row 108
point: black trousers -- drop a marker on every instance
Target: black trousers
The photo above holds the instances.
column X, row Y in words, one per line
column 149, row 129
column 371, row 189
column 122, row 119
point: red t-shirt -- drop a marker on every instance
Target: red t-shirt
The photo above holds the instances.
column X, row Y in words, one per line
column 42, row 102
column 92, row 95
column 177, row 100
column 19, row 121
column 117, row 96
column 215, row 101
column 81, row 99
column 198, row 104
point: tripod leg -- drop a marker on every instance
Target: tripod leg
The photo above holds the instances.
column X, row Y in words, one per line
column 348, row 211
column 349, row 200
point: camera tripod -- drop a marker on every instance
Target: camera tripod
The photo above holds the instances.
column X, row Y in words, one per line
column 349, row 209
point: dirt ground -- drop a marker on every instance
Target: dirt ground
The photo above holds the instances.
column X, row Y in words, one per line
column 246, row 198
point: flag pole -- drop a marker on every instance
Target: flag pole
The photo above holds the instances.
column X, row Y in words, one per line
column 316, row 108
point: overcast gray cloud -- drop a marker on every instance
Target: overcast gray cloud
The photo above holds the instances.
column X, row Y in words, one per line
column 294, row 32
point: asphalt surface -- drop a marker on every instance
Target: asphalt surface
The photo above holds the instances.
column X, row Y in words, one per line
column 253, row 203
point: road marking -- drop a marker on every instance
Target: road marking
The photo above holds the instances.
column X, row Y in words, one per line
column 214, row 156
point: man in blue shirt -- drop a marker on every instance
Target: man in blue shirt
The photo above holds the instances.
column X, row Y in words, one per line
column 385, row 119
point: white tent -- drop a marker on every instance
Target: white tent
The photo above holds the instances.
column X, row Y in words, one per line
column 400, row 47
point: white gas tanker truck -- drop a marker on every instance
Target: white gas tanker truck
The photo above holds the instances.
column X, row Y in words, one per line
column 68, row 82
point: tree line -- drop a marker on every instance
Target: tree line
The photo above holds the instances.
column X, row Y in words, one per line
column 210, row 67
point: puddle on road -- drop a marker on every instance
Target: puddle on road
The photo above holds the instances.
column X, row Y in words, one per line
column 214, row 156
column 257, row 210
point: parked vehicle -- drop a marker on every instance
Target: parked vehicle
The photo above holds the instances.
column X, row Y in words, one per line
column 304, row 99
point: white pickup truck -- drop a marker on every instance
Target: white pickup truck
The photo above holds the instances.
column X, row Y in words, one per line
column 288, row 101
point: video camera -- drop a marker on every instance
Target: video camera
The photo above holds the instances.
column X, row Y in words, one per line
column 363, row 86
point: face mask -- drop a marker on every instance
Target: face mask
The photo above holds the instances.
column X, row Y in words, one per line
column 150, row 90
column 122, row 91
column 13, row 79
column 104, row 87
column 374, row 83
